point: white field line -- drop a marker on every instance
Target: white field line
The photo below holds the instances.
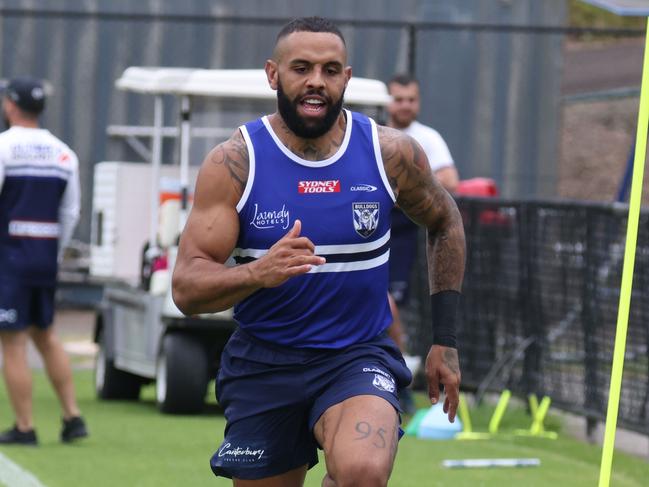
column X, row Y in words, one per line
column 13, row 475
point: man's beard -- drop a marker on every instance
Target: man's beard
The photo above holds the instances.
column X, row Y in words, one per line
column 403, row 122
column 297, row 124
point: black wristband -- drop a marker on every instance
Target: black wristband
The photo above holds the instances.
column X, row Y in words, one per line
column 444, row 305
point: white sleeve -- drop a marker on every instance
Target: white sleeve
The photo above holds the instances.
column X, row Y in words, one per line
column 70, row 207
column 436, row 150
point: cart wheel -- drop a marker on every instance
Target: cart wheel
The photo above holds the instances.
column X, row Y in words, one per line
column 181, row 375
column 112, row 383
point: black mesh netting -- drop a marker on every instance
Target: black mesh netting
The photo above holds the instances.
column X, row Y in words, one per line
column 539, row 304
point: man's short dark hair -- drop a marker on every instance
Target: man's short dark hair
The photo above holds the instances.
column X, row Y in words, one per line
column 403, row 79
column 310, row 24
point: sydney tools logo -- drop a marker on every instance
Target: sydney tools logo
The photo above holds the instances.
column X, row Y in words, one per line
column 332, row 186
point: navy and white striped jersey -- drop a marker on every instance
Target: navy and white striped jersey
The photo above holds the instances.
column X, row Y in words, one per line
column 344, row 205
column 39, row 203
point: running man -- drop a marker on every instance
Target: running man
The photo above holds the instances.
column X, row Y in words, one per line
column 310, row 365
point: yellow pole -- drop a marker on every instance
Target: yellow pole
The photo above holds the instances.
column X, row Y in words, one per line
column 627, row 274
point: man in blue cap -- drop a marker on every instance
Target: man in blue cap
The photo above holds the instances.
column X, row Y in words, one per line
column 39, row 208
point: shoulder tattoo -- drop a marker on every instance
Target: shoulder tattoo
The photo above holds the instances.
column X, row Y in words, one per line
column 408, row 171
column 233, row 154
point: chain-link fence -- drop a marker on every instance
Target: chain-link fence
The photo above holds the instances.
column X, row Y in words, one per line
column 540, row 302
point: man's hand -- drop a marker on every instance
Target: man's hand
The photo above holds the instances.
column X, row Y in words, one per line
column 290, row 256
column 443, row 367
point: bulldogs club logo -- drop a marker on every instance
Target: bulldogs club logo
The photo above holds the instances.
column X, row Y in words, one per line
column 366, row 218
column 383, row 384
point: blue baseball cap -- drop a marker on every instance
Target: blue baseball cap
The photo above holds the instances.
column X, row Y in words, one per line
column 26, row 92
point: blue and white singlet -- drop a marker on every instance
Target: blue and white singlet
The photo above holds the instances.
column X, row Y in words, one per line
column 344, row 204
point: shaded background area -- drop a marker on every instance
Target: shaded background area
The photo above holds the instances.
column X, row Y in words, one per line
column 493, row 93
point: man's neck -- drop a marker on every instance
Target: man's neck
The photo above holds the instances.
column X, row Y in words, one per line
column 316, row 149
column 25, row 123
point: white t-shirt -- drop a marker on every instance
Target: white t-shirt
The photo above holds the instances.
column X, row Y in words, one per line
column 433, row 144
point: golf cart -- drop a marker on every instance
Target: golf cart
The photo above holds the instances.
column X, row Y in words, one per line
column 139, row 210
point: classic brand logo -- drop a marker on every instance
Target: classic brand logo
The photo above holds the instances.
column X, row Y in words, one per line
column 366, row 218
column 332, row 186
column 271, row 219
column 377, row 371
column 245, row 454
column 363, row 187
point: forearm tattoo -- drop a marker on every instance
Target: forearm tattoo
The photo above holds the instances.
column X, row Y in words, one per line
column 234, row 155
column 426, row 202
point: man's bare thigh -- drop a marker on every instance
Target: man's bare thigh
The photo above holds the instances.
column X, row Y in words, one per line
column 360, row 429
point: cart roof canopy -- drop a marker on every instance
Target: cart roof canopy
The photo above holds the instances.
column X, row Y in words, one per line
column 623, row 7
column 233, row 83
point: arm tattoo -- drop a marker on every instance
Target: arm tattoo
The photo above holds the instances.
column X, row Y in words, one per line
column 409, row 174
column 426, row 202
column 234, row 155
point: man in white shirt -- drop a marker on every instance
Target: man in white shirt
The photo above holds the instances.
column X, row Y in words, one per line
column 403, row 112
column 39, row 208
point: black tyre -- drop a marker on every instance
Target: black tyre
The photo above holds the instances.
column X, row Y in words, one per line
column 112, row 383
column 181, row 375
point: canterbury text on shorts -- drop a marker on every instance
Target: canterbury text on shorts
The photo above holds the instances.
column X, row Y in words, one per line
column 22, row 305
column 273, row 396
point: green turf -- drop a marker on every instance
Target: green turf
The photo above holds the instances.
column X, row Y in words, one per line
column 133, row 445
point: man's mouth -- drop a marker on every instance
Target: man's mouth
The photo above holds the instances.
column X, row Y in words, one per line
column 313, row 105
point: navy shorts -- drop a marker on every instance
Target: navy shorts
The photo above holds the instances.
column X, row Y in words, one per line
column 273, row 396
column 22, row 305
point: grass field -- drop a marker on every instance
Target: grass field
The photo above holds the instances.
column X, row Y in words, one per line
column 133, row 445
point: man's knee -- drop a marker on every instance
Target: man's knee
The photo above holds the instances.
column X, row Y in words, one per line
column 365, row 472
column 13, row 339
column 44, row 339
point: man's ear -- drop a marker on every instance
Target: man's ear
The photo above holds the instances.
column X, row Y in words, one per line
column 271, row 73
column 8, row 107
column 348, row 74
